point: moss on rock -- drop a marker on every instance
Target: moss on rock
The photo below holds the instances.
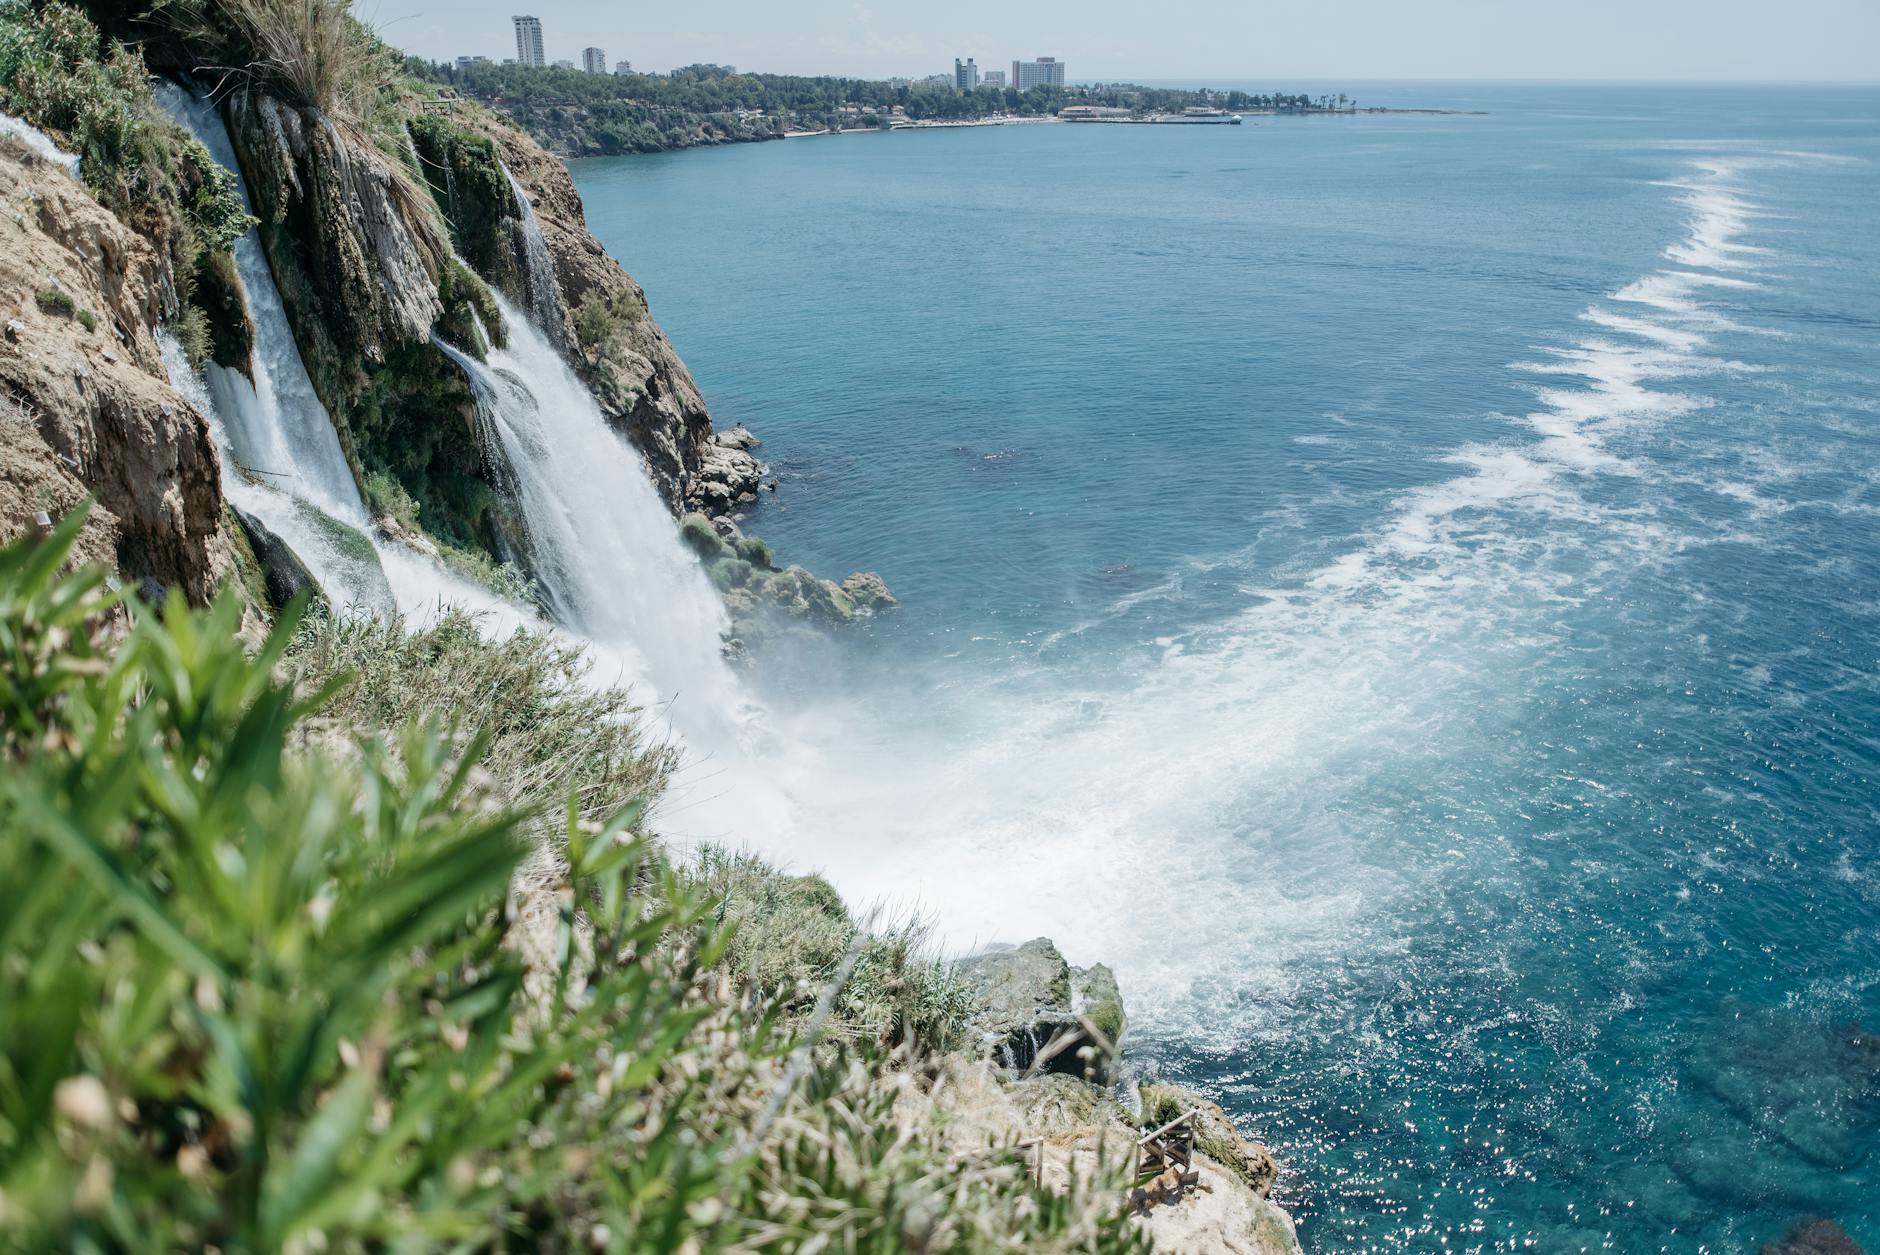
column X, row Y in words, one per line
column 698, row 535
column 216, row 290
column 465, row 177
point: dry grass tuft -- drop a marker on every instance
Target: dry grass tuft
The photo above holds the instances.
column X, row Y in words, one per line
column 311, row 53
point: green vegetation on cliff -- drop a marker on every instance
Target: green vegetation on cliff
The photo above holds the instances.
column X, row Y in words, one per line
column 93, row 95
column 354, row 943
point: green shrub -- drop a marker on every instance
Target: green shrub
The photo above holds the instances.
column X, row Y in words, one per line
column 192, row 332
column 389, row 499
column 57, row 72
column 600, row 327
column 310, row 53
column 87, row 320
column 465, row 176
column 698, row 535
column 54, row 301
column 260, row 988
column 213, row 199
column 757, row 553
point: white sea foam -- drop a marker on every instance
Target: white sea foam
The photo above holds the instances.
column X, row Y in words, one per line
column 1103, row 813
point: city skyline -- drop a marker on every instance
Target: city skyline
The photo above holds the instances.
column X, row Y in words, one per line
column 1349, row 41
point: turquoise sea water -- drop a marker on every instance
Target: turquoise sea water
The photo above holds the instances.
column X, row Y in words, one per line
column 1405, row 590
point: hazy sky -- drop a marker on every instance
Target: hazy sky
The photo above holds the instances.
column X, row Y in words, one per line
column 1341, row 40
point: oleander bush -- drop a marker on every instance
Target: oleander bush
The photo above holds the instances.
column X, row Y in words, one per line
column 260, row 987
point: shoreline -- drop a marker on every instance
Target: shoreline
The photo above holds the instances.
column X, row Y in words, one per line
column 1055, row 120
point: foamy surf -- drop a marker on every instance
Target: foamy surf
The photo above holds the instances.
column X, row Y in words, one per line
column 1102, row 815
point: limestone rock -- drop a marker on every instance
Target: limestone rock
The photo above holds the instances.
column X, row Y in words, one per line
column 800, row 595
column 1218, row 1217
column 737, row 437
column 1081, row 1127
column 1034, row 1003
column 1215, row 1135
column 90, row 411
column 868, row 591
column 728, row 474
column 361, row 254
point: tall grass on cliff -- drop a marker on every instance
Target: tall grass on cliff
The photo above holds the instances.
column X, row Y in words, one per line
column 318, row 55
column 309, row 53
column 258, row 987
column 59, row 73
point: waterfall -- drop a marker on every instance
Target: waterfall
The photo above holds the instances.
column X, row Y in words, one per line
column 281, row 458
column 604, row 551
column 277, row 429
column 601, row 544
column 542, row 291
column 38, row 141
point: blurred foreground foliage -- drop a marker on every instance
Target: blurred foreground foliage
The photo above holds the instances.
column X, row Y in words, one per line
column 265, row 983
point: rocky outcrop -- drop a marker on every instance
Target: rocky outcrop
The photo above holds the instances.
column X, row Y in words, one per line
column 86, row 408
column 284, row 576
column 729, row 475
column 1061, row 1130
column 1215, row 1134
column 764, row 600
column 1038, row 1013
column 360, row 250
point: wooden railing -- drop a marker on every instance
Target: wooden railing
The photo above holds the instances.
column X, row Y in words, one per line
column 1173, row 1143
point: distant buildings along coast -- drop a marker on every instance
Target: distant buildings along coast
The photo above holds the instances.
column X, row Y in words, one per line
column 529, row 41
column 1044, row 72
column 966, row 78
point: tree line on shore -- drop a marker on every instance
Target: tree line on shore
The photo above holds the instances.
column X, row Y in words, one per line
column 583, row 114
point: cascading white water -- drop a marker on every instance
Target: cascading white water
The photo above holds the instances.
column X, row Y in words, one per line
column 601, row 543
column 277, row 429
column 281, row 457
column 538, row 268
column 38, row 141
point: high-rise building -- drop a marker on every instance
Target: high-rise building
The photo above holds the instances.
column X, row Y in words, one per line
column 993, row 78
column 1044, row 72
column 594, row 61
column 529, row 41
column 464, row 63
column 623, row 67
column 965, row 75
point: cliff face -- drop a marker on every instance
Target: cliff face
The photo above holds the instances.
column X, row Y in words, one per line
column 88, row 409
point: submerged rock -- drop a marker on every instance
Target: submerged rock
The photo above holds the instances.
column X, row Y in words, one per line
column 1814, row 1237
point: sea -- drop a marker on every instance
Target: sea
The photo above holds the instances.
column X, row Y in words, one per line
column 1401, row 589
